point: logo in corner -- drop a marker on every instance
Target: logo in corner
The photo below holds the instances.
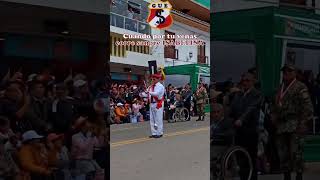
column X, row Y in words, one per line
column 159, row 14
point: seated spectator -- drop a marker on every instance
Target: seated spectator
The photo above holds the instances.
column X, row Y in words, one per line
column 121, row 114
column 58, row 156
column 83, row 144
column 221, row 134
column 33, row 156
column 5, row 131
column 8, row 168
column 136, row 115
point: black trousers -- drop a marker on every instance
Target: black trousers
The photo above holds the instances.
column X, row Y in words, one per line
column 188, row 106
column 250, row 143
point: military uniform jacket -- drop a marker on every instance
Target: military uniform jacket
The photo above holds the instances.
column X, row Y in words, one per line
column 201, row 97
column 293, row 109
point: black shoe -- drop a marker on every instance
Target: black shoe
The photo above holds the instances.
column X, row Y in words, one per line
column 157, row 136
column 161, row 135
column 199, row 119
column 153, row 136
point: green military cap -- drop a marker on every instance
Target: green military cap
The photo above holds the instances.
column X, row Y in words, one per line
column 288, row 67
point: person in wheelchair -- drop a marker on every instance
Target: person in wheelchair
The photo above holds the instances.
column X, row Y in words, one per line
column 221, row 136
column 177, row 105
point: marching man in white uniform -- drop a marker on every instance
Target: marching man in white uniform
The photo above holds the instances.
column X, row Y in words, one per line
column 156, row 99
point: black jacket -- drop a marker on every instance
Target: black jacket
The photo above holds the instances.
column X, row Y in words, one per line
column 246, row 107
column 221, row 133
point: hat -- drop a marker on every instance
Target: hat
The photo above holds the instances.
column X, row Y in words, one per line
column 31, row 77
column 54, row 136
column 288, row 66
column 157, row 76
column 79, row 83
column 30, row 135
column 119, row 104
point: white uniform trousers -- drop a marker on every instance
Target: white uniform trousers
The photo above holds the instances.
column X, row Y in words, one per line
column 156, row 119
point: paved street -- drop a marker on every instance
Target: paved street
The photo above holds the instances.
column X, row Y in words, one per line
column 182, row 154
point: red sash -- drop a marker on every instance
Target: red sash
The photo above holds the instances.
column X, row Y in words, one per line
column 159, row 101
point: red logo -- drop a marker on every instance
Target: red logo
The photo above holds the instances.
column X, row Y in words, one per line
column 160, row 14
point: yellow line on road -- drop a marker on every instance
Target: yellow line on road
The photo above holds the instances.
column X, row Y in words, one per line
column 133, row 141
column 122, row 129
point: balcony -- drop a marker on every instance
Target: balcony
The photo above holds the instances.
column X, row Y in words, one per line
column 129, row 24
column 130, row 16
column 203, row 59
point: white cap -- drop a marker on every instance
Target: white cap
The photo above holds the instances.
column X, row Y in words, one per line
column 119, row 104
column 29, row 135
column 79, row 83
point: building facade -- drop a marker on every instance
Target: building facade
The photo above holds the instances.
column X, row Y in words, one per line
column 37, row 34
column 130, row 63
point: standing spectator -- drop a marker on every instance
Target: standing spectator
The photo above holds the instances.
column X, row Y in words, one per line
column 62, row 110
column 32, row 156
column 82, row 97
column 187, row 99
column 245, row 112
column 201, row 96
column 292, row 111
column 14, row 105
column 37, row 113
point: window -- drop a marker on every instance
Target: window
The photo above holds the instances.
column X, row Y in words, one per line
column 169, row 51
column 202, row 59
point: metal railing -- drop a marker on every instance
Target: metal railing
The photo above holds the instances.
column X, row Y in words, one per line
column 124, row 22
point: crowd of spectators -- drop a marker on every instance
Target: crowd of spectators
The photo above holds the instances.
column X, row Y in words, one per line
column 52, row 129
column 129, row 102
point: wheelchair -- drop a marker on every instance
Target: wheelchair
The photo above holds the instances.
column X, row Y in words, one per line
column 181, row 114
column 226, row 166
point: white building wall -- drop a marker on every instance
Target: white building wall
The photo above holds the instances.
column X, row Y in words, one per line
column 93, row 6
column 233, row 5
column 181, row 29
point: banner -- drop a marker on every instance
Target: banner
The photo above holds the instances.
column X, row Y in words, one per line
column 297, row 27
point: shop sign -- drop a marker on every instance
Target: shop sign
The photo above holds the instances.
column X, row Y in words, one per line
column 297, row 28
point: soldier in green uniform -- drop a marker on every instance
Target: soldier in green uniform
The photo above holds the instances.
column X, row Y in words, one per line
column 201, row 96
column 291, row 112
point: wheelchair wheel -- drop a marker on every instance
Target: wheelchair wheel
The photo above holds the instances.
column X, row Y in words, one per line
column 184, row 114
column 176, row 116
column 237, row 163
